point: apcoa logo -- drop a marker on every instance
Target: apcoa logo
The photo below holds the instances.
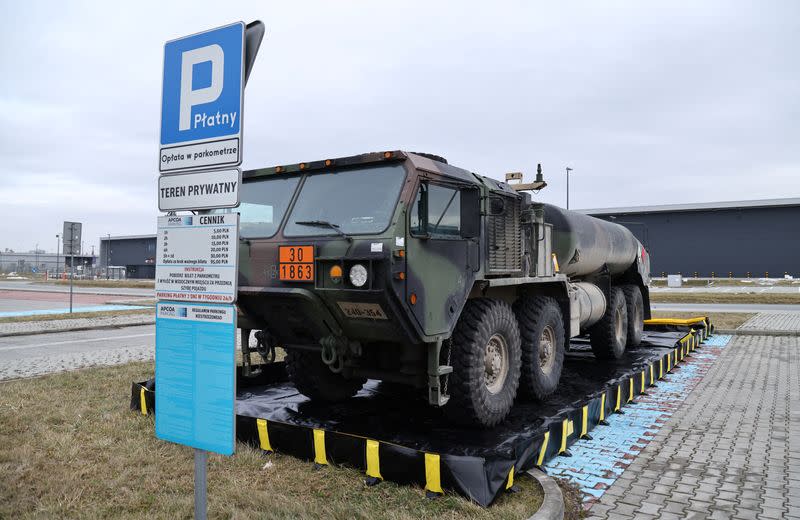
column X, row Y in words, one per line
column 172, row 311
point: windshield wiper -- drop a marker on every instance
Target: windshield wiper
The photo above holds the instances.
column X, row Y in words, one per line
column 325, row 223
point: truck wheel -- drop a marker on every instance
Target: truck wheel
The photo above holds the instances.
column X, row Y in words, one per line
column 635, row 307
column 610, row 334
column 486, row 364
column 314, row 379
column 541, row 328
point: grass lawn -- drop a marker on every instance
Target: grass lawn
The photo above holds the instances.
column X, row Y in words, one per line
column 70, row 447
column 74, row 315
column 720, row 320
column 710, row 297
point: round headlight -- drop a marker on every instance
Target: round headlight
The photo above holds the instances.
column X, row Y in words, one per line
column 358, row 275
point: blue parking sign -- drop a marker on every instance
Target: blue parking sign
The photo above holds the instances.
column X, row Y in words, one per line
column 202, row 99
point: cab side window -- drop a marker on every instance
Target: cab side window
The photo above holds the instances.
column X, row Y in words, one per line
column 436, row 212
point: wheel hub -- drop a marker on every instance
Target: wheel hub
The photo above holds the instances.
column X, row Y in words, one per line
column 547, row 350
column 496, row 363
column 618, row 329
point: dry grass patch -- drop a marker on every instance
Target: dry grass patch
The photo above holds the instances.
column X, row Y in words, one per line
column 70, row 447
column 75, row 315
column 720, row 320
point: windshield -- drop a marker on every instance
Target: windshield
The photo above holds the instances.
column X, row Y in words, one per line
column 263, row 203
column 360, row 201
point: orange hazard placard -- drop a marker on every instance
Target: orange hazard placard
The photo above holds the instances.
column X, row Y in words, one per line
column 296, row 263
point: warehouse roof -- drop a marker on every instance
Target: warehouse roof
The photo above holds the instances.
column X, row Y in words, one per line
column 700, row 206
column 126, row 237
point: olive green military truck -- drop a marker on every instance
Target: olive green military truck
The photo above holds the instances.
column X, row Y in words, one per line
column 400, row 267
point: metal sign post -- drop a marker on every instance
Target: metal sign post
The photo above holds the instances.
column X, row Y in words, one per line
column 72, row 243
column 200, row 483
column 71, row 279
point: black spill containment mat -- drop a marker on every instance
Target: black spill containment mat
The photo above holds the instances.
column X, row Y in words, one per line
column 400, row 438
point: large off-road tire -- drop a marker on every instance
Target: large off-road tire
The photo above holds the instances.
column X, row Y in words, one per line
column 610, row 335
column 635, row 306
column 486, row 363
column 541, row 328
column 314, row 379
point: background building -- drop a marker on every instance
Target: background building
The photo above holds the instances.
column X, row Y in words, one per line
column 135, row 253
column 28, row 263
column 741, row 238
column 754, row 238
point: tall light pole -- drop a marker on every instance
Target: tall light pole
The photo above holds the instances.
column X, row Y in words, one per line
column 108, row 254
column 58, row 246
column 568, row 170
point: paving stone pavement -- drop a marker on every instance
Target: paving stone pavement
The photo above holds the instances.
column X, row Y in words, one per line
column 731, row 451
column 783, row 321
column 595, row 464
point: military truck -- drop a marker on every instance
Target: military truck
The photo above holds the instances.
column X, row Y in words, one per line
column 400, row 267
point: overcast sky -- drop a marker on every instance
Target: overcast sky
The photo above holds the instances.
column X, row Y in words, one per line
column 682, row 102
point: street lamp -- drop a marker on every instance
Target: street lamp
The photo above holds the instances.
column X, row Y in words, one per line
column 108, row 254
column 58, row 246
column 568, row 170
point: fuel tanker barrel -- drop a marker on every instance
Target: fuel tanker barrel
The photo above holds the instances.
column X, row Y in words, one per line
column 584, row 244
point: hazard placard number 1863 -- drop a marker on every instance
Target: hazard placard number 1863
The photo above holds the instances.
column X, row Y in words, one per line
column 297, row 272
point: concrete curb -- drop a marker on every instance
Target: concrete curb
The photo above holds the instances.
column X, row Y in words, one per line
column 552, row 507
column 755, row 332
column 74, row 329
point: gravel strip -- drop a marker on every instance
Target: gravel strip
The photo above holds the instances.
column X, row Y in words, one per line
column 37, row 327
column 37, row 366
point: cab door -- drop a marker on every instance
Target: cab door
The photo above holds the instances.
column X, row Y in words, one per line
column 441, row 252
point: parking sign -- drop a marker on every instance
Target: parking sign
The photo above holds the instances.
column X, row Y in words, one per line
column 202, row 99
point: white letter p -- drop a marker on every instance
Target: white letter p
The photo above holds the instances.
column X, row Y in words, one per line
column 189, row 97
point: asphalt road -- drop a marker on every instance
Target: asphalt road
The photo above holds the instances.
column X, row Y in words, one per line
column 47, row 287
column 28, row 356
column 725, row 307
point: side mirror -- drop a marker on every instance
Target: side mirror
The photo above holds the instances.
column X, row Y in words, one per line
column 470, row 212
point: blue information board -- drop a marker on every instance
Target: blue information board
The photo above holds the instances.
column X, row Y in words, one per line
column 196, row 375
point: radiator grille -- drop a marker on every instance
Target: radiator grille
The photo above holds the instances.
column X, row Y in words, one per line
column 504, row 239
